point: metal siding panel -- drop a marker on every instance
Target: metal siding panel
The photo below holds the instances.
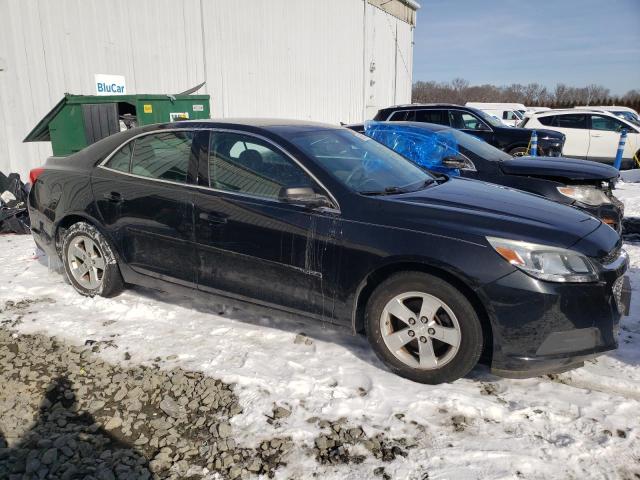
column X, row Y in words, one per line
column 283, row 58
column 390, row 82
column 53, row 47
column 310, row 68
column 404, row 71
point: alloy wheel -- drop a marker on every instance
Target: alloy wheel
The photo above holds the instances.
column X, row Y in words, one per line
column 86, row 262
column 420, row 330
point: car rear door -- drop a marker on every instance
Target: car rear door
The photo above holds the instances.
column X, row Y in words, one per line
column 605, row 137
column 575, row 126
column 145, row 199
column 249, row 243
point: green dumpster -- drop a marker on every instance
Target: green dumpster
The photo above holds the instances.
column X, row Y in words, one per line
column 77, row 121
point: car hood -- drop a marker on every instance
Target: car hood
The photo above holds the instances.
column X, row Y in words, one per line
column 558, row 167
column 471, row 210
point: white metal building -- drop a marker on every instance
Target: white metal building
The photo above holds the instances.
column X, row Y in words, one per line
column 329, row 60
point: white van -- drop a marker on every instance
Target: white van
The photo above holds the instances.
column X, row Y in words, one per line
column 508, row 113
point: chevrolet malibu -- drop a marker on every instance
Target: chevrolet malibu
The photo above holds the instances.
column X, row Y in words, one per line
column 321, row 221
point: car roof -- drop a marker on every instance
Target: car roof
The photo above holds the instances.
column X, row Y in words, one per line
column 421, row 105
column 432, row 127
column 606, row 108
column 255, row 122
column 574, row 111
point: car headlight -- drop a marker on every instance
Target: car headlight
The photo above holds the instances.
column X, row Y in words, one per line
column 545, row 262
column 588, row 195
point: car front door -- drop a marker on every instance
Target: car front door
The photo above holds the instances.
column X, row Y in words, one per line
column 252, row 245
column 575, row 126
column 471, row 124
column 605, row 136
column 146, row 203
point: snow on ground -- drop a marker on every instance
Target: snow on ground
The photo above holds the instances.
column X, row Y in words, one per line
column 580, row 424
column 628, row 193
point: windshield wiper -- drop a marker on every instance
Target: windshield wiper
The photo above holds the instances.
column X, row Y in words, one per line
column 395, row 190
column 386, row 191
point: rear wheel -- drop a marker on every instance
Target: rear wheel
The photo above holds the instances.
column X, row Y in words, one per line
column 423, row 328
column 89, row 262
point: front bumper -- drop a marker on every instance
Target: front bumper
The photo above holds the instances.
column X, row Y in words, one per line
column 543, row 327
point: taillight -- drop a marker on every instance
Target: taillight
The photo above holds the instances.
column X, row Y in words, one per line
column 34, row 174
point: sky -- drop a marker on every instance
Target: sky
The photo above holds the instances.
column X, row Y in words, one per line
column 577, row 42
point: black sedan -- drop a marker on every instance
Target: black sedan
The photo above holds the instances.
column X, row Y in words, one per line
column 581, row 183
column 327, row 223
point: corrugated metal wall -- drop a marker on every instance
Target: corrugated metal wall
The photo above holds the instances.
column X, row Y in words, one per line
column 330, row 60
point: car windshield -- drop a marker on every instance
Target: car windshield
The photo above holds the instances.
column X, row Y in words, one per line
column 429, row 148
column 360, row 163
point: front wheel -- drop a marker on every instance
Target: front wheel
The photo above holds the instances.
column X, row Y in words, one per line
column 519, row 152
column 423, row 328
column 89, row 262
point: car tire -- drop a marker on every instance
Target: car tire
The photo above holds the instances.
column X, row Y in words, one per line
column 519, row 152
column 89, row 262
column 442, row 348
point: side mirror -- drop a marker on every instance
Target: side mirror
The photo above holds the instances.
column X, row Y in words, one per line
column 304, row 196
column 458, row 162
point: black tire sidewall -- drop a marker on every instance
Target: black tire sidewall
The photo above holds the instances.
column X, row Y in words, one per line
column 112, row 282
column 471, row 330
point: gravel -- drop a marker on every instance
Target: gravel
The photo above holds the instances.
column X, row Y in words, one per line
column 66, row 413
column 336, row 445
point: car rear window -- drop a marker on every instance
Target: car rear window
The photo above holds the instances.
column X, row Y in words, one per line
column 402, row 116
column 439, row 117
column 163, row 156
column 121, row 160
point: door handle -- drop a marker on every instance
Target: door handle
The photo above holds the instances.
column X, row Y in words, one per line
column 595, row 135
column 114, row 197
column 213, row 217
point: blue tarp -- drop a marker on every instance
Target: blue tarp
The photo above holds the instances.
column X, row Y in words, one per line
column 422, row 147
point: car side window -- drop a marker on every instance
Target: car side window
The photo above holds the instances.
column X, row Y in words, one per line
column 246, row 164
column 121, row 160
column 548, row 121
column 599, row 122
column 465, row 121
column 432, row 116
column 164, row 156
column 571, row 121
column 398, row 116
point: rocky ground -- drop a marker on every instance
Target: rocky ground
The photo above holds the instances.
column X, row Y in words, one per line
column 65, row 413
